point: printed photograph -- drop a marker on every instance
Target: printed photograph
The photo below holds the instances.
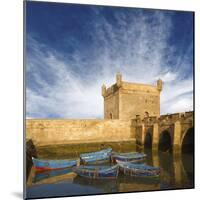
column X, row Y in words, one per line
column 109, row 94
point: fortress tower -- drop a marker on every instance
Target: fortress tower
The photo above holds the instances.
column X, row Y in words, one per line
column 125, row 100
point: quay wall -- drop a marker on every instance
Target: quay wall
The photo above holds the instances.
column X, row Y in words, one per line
column 63, row 131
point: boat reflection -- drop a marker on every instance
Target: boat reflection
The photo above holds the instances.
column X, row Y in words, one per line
column 131, row 184
column 53, row 176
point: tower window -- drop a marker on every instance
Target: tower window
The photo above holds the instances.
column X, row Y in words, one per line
column 111, row 116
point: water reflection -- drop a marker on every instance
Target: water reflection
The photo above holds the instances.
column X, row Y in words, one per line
column 176, row 172
column 128, row 184
column 53, row 176
column 49, row 177
column 107, row 186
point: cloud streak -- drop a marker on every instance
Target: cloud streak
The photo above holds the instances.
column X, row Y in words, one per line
column 63, row 84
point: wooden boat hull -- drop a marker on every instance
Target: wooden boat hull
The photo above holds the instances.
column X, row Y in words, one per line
column 97, row 172
column 139, row 170
column 103, row 152
column 43, row 165
column 98, row 159
column 133, row 157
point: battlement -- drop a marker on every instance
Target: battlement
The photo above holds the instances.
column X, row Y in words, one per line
column 131, row 87
column 168, row 118
column 109, row 91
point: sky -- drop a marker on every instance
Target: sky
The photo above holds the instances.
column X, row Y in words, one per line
column 71, row 50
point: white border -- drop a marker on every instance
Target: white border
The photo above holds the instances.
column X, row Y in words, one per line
column 11, row 88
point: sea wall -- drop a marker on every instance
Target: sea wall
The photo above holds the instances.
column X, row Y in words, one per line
column 53, row 131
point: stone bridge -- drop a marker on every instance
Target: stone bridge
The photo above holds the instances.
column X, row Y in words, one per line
column 166, row 133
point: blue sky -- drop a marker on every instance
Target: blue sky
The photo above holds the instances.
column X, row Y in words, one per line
column 73, row 49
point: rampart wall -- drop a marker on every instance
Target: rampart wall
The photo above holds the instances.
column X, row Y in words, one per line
column 54, row 131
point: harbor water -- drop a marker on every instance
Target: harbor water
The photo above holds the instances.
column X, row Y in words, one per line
column 176, row 173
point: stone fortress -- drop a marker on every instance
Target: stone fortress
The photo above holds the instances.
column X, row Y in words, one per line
column 131, row 114
column 125, row 100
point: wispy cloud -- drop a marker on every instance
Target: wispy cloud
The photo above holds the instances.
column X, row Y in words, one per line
column 68, row 85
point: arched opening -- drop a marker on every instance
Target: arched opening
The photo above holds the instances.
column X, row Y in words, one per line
column 188, row 164
column 148, row 141
column 187, row 147
column 111, row 116
column 188, row 141
column 165, row 143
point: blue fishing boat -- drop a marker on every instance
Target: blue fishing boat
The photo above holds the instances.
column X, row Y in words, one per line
column 128, row 157
column 41, row 165
column 95, row 159
column 97, row 153
column 139, row 170
column 97, row 172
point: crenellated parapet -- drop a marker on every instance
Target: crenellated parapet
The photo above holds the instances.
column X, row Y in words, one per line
column 164, row 119
column 119, row 80
column 159, row 85
column 103, row 90
column 131, row 87
column 109, row 91
column 114, row 88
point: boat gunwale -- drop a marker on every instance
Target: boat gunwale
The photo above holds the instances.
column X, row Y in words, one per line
column 129, row 156
column 55, row 161
column 142, row 167
column 96, row 153
column 109, row 173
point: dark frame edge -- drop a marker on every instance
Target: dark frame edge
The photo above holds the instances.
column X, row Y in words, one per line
column 24, row 99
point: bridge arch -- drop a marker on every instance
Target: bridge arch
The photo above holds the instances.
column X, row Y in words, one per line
column 165, row 141
column 187, row 141
column 148, row 140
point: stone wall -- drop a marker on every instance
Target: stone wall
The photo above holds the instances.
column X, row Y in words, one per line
column 111, row 106
column 134, row 103
column 53, row 131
